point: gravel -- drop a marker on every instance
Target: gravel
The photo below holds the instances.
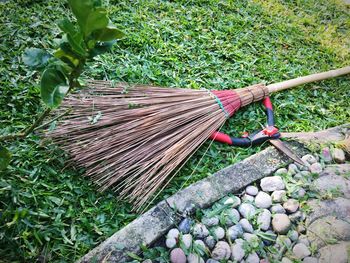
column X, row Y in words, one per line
column 221, row 251
column 301, row 251
column 281, row 223
column 263, row 200
column 185, row 226
column 252, row 190
column 277, row 209
column 200, row 231
column 237, row 251
column 247, row 227
column 264, row 220
column 278, row 196
column 234, row 232
column 316, row 168
column 272, row 183
column 247, row 210
column 291, row 205
column 177, row 256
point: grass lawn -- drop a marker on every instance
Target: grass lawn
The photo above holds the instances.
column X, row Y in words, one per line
column 48, row 211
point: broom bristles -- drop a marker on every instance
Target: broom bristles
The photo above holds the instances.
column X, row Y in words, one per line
column 132, row 138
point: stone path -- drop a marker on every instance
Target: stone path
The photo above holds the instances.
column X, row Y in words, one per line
column 328, row 225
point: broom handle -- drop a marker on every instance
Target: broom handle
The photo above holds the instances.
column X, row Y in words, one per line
column 307, row 79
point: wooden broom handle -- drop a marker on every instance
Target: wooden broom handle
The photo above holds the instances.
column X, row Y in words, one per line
column 307, row 79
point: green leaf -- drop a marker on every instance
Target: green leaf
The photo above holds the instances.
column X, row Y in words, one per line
column 35, row 57
column 53, row 87
column 108, row 33
column 81, row 9
column 5, row 157
column 97, row 19
column 101, row 48
column 74, row 37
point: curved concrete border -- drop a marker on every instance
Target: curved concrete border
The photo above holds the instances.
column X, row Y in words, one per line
column 157, row 221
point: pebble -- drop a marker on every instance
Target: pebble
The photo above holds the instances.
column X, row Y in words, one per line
column 309, row 159
column 264, row 220
column 252, row 258
column 187, row 240
column 286, row 260
column 247, row 210
column 326, row 155
column 281, row 223
column 301, row 229
column 297, row 216
column 173, row 233
column 250, row 237
column 210, row 260
column 177, row 256
column 338, row 155
column 278, row 196
column 212, row 221
column 277, row 209
column 200, row 243
column 305, row 173
column 233, row 201
column 210, row 242
column 310, row 260
column 272, row 183
column 301, row 192
column 237, row 251
column 293, row 235
column 221, row 251
column 298, row 176
column 291, row 205
column 170, row 242
column 301, row 251
column 234, row 232
column 252, row 190
column 218, row 232
column 147, row 261
column 316, row 168
column 247, row 198
column 200, row 231
column 263, row 200
column 272, row 235
column 283, row 241
column 281, row 171
column 185, row 226
column 303, row 240
column 292, row 169
column 232, row 217
column 247, row 227
column 193, row 258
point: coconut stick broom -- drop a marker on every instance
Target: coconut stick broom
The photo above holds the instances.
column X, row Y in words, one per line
column 131, row 138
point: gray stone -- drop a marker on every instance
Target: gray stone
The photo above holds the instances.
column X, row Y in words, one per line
column 291, row 205
column 281, row 171
column 309, row 159
column 327, row 229
column 200, row 231
column 234, row 201
column 283, row 241
column 286, row 260
column 252, row 258
column 250, row 237
column 301, row 229
column 200, row 243
column 272, row 183
column 210, row 242
column 303, row 240
column 212, row 221
column 292, row 169
column 177, row 256
column 305, row 173
column 234, row 232
column 338, row 155
column 147, row 261
column 173, row 233
column 310, row 260
column 264, row 219
column 185, row 226
column 252, row 190
column 247, row 198
column 277, row 209
column 298, row 176
column 326, row 155
column 316, row 168
column 218, row 232
column 193, row 258
column 301, row 192
column 281, row 223
column 237, row 251
column 297, row 217
column 278, row 196
column 247, row 210
column 232, row 217
column 247, row 227
column 187, row 240
column 301, row 251
column 293, row 235
column 331, row 181
column 210, row 260
column 338, row 253
column 221, row 251
column 263, row 200
column 170, row 242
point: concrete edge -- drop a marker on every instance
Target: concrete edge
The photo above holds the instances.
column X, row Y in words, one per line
column 150, row 226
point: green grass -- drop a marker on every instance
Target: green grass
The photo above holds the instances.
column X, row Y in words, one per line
column 48, row 210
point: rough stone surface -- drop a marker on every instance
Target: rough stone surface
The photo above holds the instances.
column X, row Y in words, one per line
column 278, row 196
column 200, row 231
column 281, row 223
column 252, row 190
column 177, row 256
column 310, row 260
column 301, row 251
column 272, row 183
column 327, row 229
column 309, row 159
column 263, row 200
column 316, row 168
column 335, row 253
column 264, row 219
column 221, row 251
column 291, row 205
column 338, row 155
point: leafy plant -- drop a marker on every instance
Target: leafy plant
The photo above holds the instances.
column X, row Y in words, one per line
column 91, row 34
